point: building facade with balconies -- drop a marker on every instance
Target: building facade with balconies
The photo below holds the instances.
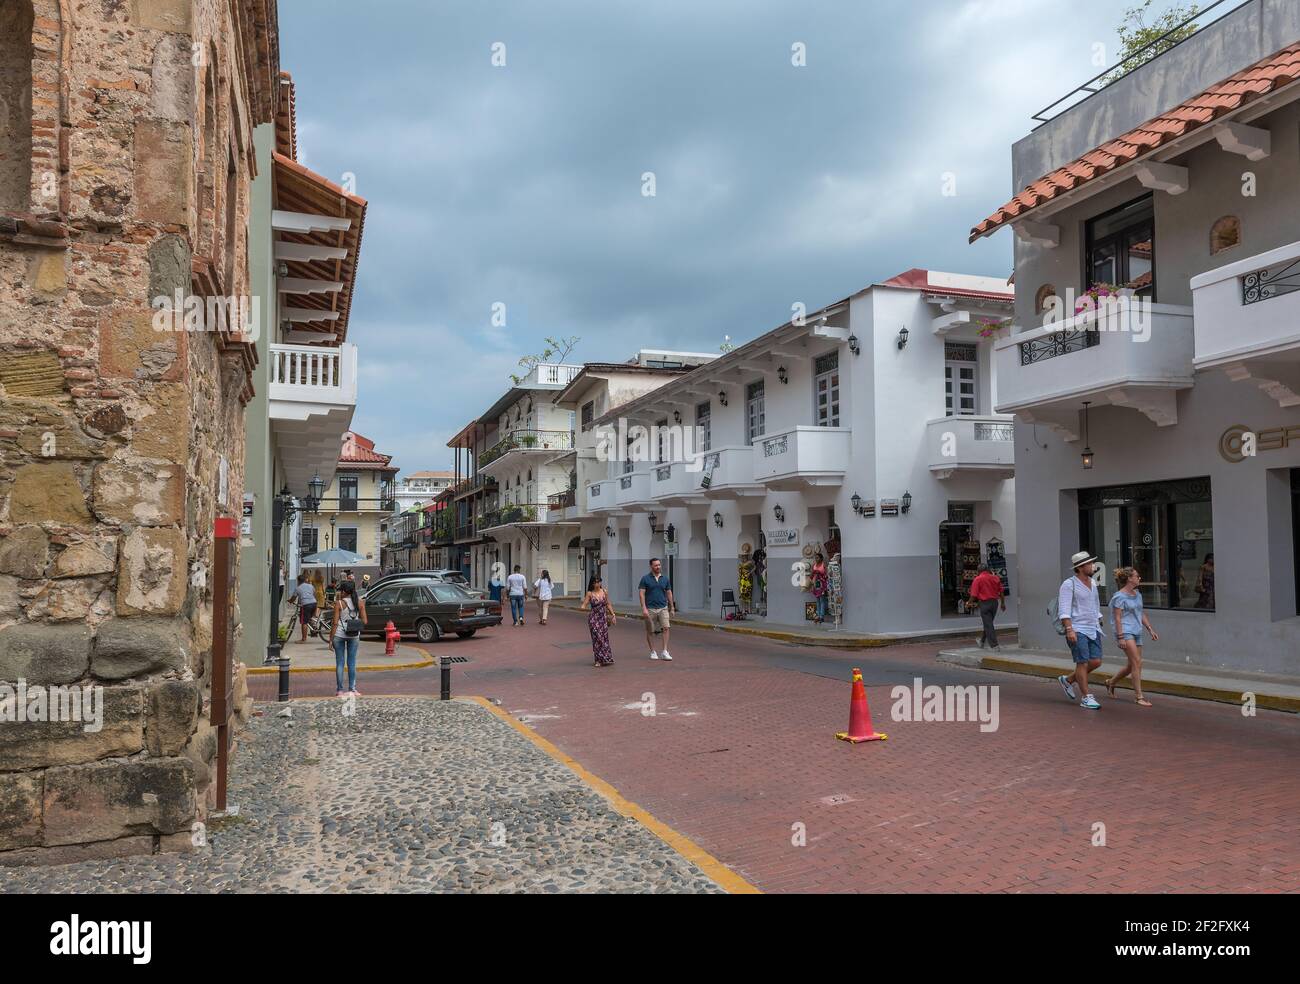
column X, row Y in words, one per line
column 598, row 389
column 303, row 245
column 1151, row 427
column 509, row 463
column 865, row 430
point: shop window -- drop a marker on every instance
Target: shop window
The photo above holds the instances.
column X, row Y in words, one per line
column 1225, row 234
column 16, row 19
column 1164, row 529
column 348, row 538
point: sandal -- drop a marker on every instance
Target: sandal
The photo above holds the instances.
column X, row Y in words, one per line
column 1110, row 686
column 1143, row 702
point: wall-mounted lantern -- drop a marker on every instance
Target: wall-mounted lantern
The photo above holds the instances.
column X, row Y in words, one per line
column 722, row 397
column 717, row 520
column 907, row 502
column 782, row 375
column 902, row 337
column 853, row 345
column 779, row 513
column 1087, row 451
column 609, row 531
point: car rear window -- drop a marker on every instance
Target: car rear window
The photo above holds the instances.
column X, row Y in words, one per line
column 448, row 593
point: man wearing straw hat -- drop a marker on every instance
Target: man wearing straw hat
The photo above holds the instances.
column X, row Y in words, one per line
column 1079, row 611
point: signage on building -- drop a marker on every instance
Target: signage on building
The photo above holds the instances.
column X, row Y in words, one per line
column 869, row 507
column 889, row 507
column 670, row 549
column 248, row 503
column 782, row 537
column 1239, row 442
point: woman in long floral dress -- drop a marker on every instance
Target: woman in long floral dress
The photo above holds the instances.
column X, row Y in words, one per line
column 599, row 619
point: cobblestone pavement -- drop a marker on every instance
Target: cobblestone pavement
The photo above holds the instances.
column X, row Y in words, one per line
column 739, row 756
column 404, row 795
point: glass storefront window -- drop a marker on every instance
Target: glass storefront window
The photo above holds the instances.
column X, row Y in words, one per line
column 1164, row 529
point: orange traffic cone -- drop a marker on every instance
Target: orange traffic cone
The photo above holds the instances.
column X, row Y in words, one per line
column 860, row 728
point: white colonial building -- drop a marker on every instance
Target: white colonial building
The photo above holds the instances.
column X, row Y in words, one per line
column 1173, row 443
column 865, row 429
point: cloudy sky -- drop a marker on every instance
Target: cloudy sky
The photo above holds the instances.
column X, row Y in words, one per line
column 521, row 184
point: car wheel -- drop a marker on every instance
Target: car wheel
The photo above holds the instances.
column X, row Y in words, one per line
column 426, row 630
column 467, row 633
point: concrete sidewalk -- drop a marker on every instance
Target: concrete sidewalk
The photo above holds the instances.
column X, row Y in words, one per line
column 314, row 657
column 805, row 634
column 1277, row 693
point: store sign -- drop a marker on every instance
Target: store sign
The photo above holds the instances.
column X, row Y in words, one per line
column 1239, row 442
column 889, row 507
column 782, row 537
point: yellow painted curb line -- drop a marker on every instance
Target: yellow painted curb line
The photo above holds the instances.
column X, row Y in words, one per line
column 376, row 668
column 733, row 883
column 1269, row 701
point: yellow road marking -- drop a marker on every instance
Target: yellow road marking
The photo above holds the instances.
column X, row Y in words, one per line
column 683, row 845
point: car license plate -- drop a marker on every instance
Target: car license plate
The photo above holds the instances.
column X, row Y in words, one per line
column 481, row 611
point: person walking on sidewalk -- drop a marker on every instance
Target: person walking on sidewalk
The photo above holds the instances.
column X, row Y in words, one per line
column 517, row 589
column 599, row 620
column 1079, row 610
column 656, row 592
column 986, row 592
column 306, row 595
column 349, row 617
column 495, row 587
column 1130, row 620
column 542, row 592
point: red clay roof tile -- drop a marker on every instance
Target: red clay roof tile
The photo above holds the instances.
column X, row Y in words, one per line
column 1263, row 77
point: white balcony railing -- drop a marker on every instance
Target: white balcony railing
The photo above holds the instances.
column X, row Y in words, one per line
column 729, row 473
column 306, row 374
column 634, row 490
column 311, row 397
column 802, row 456
column 1136, row 355
column 971, row 444
column 1247, row 317
column 602, row 496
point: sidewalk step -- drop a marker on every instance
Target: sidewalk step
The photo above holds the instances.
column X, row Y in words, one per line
column 1180, row 680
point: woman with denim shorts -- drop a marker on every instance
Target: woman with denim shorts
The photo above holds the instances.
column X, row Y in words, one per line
column 347, row 606
column 1130, row 621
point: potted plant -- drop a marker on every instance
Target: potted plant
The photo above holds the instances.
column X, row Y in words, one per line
column 528, row 440
column 990, row 327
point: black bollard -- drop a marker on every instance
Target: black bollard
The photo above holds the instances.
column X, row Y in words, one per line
column 446, row 677
column 284, row 680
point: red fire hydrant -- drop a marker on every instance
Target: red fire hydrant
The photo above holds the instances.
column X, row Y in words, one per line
column 391, row 636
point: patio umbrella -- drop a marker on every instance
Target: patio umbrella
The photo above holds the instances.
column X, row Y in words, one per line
column 333, row 558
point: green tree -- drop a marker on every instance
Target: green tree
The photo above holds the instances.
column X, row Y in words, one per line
column 1135, row 34
column 557, row 350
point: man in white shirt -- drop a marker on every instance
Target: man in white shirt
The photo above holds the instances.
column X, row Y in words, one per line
column 1078, row 606
column 517, row 589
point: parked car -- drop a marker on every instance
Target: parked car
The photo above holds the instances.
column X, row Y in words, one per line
column 428, row 608
column 447, row 576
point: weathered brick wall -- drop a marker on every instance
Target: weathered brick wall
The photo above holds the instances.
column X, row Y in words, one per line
column 114, row 436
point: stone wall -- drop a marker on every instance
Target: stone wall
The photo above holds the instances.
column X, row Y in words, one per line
column 120, row 443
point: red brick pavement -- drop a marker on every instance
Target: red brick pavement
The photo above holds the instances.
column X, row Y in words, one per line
column 1194, row 796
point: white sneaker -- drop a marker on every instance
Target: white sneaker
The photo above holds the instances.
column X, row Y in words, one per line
column 664, row 655
column 1067, row 686
column 653, row 654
